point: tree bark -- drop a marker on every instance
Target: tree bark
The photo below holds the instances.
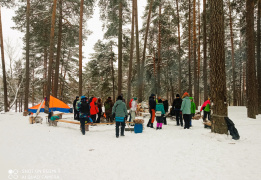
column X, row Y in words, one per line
column 112, row 76
column 80, row 49
column 195, row 54
column 131, row 54
column 3, row 66
column 159, row 54
column 251, row 68
column 45, row 72
column 258, row 56
column 217, row 67
column 51, row 54
column 189, row 55
column 27, row 79
column 205, row 74
column 179, row 63
column 198, row 75
column 58, row 56
column 232, row 55
column 120, row 50
column 144, row 50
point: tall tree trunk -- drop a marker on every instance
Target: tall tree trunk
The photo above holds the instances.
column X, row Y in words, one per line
column 80, row 49
column 139, row 85
column 57, row 64
column 112, row 76
column 45, row 72
column 144, row 50
column 205, row 74
column 3, row 65
column 51, row 54
column 179, row 48
column 27, row 79
column 251, row 68
column 198, row 75
column 120, row 50
column 258, row 57
column 131, row 54
column 217, row 67
column 232, row 55
column 159, row 54
column 189, row 55
column 195, row 55
column 33, row 85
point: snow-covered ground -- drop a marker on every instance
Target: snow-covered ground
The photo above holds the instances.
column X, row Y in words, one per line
column 41, row 152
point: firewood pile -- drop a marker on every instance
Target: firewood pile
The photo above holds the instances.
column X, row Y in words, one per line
column 138, row 121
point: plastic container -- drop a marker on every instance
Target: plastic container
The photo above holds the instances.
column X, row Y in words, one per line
column 138, row 128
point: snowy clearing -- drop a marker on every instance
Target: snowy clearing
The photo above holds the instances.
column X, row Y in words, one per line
column 41, row 152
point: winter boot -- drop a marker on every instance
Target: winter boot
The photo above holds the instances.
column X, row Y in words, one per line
column 151, row 125
column 148, row 125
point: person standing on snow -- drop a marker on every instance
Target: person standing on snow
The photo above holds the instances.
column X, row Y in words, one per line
column 84, row 109
column 206, row 108
column 160, row 118
column 152, row 107
column 76, row 113
column 108, row 104
column 176, row 106
column 166, row 109
column 99, row 105
column 120, row 112
column 133, row 109
column 186, row 109
column 193, row 109
column 94, row 108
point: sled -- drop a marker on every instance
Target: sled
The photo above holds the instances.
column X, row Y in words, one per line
column 208, row 123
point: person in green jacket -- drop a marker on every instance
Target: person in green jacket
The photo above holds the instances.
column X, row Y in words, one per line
column 193, row 109
column 186, row 109
column 119, row 111
column 159, row 118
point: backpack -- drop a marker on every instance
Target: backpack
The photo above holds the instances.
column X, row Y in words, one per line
column 232, row 130
column 107, row 105
column 130, row 103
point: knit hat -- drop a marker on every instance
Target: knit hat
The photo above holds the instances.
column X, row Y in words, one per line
column 83, row 97
column 135, row 98
column 152, row 95
column 177, row 95
column 185, row 94
column 119, row 98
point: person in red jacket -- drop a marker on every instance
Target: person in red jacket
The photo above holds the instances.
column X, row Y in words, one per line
column 94, row 109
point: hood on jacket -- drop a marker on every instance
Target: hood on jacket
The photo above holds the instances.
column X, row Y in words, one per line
column 191, row 98
column 94, row 99
column 118, row 101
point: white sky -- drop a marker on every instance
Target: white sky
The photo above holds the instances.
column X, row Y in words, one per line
column 94, row 24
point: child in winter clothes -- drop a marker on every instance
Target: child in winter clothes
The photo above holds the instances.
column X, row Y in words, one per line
column 160, row 107
column 193, row 109
column 133, row 109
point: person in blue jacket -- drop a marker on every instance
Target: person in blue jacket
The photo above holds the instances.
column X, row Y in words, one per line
column 159, row 117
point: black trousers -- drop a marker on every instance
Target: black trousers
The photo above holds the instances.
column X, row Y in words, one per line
column 93, row 117
column 122, row 128
column 99, row 118
column 76, row 114
column 179, row 118
column 82, row 120
column 206, row 114
column 187, row 119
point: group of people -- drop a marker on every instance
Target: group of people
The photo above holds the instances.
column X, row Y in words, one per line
column 86, row 111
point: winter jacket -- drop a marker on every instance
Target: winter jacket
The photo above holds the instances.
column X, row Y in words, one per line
column 166, row 106
column 204, row 105
column 108, row 104
column 134, row 105
column 84, row 108
column 193, row 106
column 119, row 109
column 99, row 105
column 177, row 103
column 94, row 109
column 160, row 107
column 74, row 103
column 207, row 108
column 152, row 103
column 186, row 105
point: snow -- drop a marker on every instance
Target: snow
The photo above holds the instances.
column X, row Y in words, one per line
column 39, row 151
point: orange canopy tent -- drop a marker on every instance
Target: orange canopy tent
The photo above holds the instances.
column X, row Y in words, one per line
column 54, row 105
